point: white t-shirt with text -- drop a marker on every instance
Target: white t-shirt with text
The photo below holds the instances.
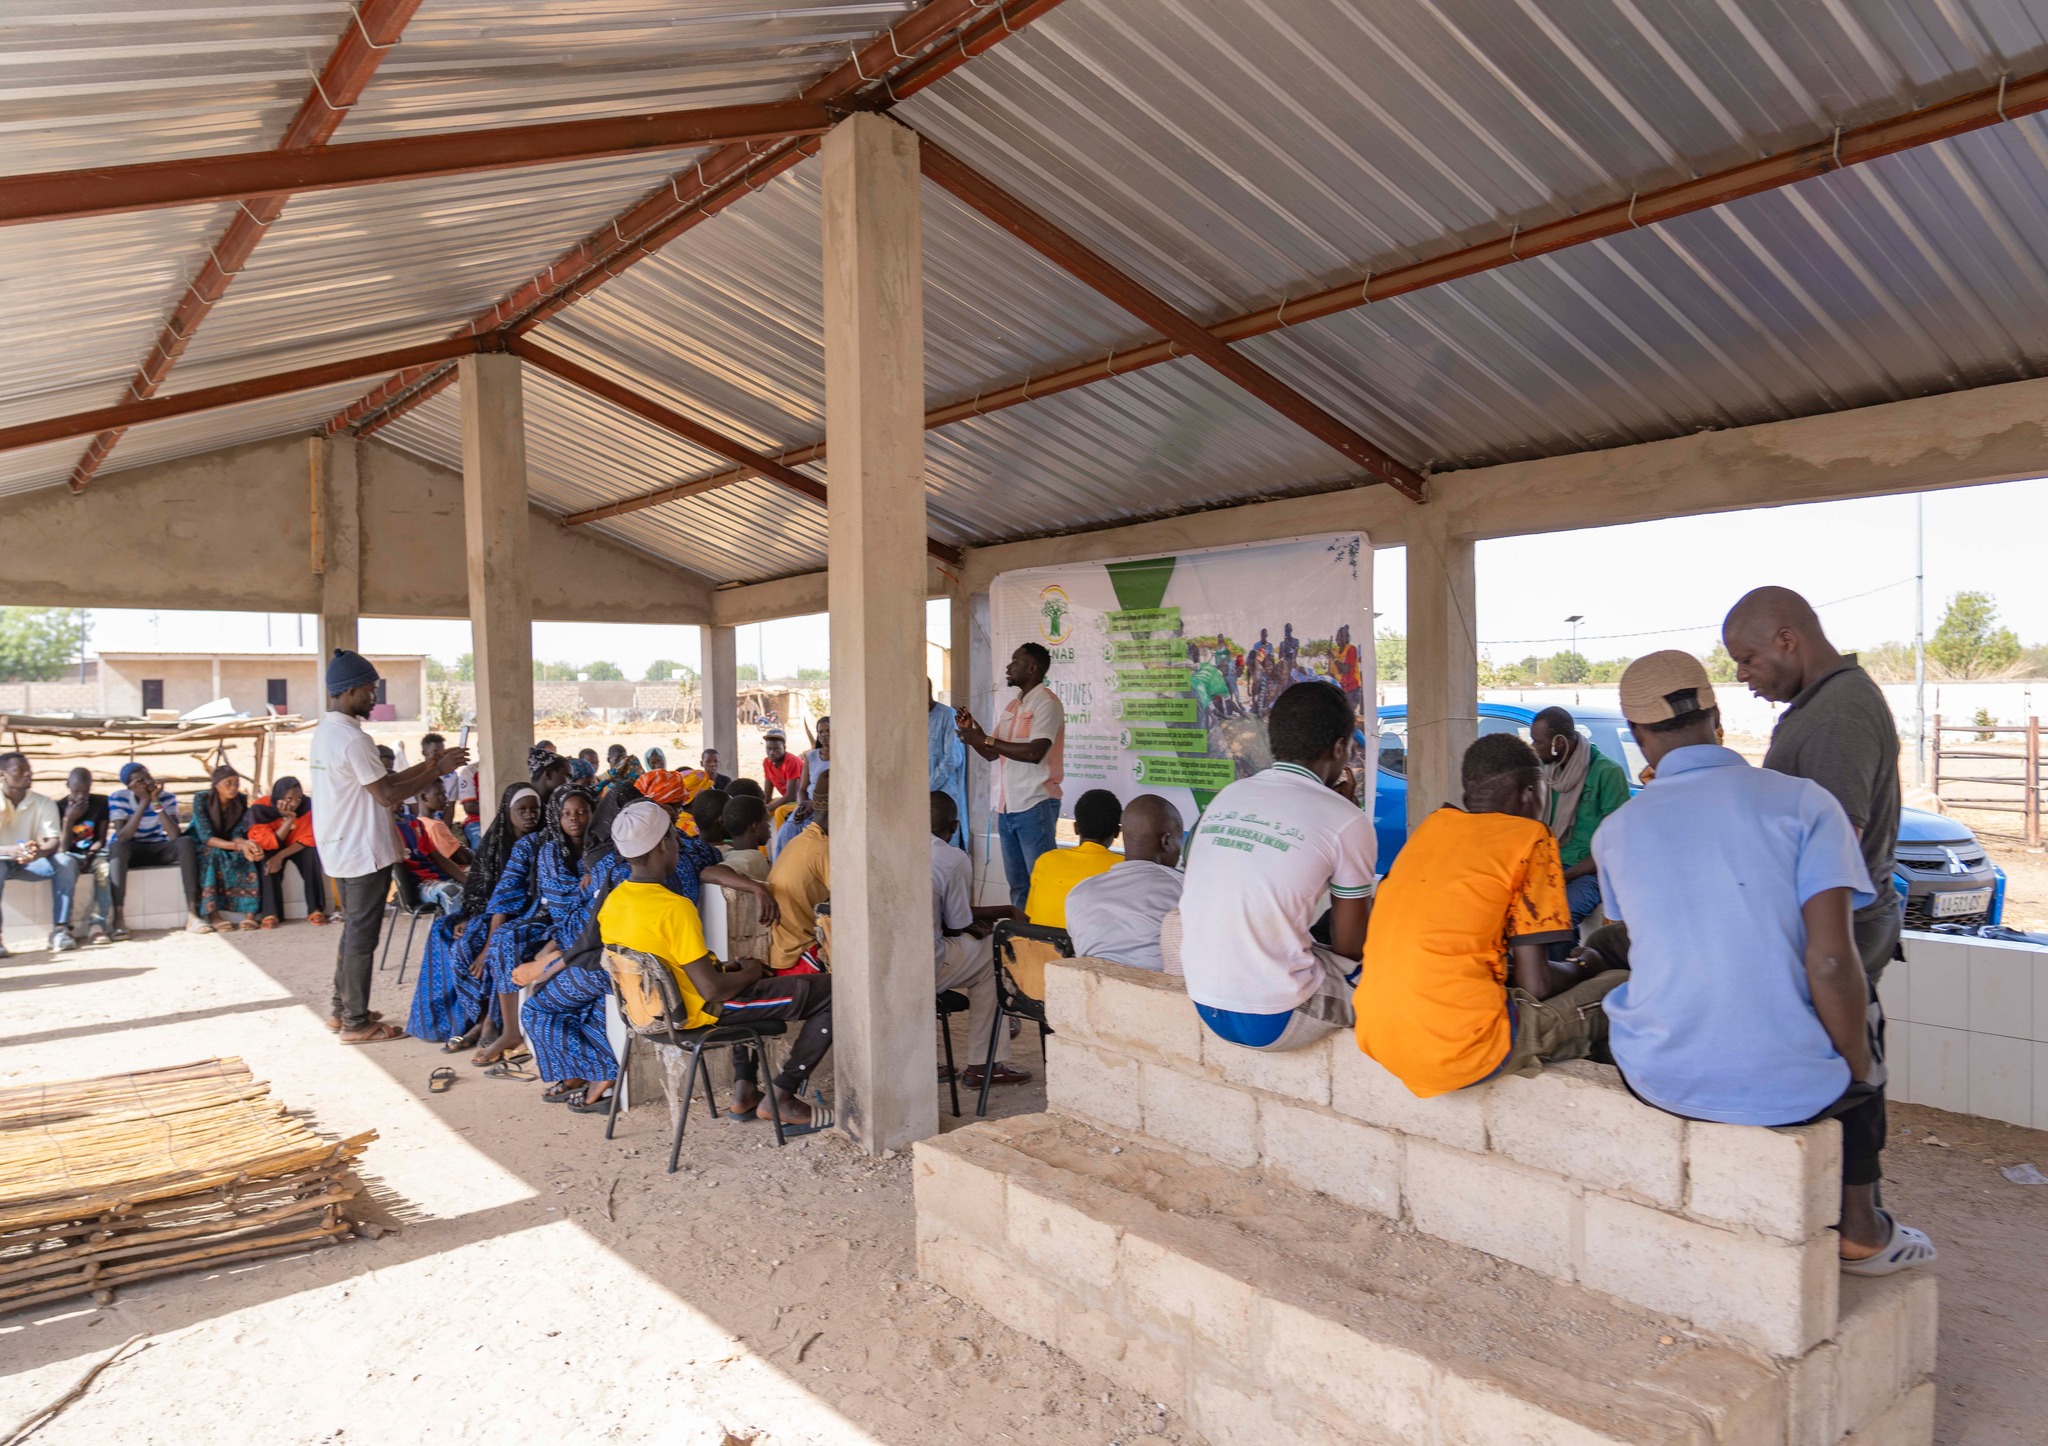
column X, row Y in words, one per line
column 357, row 836
column 1270, row 853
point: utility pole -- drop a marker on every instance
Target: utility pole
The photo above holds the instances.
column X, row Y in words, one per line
column 1920, row 640
column 1575, row 619
column 81, row 644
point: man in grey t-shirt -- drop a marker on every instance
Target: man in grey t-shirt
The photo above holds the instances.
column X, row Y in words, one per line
column 1838, row 732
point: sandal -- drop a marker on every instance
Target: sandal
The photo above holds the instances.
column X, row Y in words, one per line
column 1906, row 1247
column 269, row 922
column 316, row 917
column 602, row 1105
column 564, row 1091
column 334, row 1023
column 247, row 925
column 441, row 1081
column 821, row 1118
column 511, row 1067
column 457, row 1045
column 375, row 1034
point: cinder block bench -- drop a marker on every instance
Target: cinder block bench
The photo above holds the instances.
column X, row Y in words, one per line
column 1161, row 1224
column 156, row 900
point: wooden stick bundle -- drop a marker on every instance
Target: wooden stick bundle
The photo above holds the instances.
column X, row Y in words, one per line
column 126, row 1177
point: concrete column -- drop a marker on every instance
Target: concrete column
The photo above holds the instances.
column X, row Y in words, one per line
column 1443, row 667
column 337, row 548
column 500, row 581
column 720, row 649
column 874, row 405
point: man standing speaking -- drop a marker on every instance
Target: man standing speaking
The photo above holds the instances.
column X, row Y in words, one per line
column 352, row 799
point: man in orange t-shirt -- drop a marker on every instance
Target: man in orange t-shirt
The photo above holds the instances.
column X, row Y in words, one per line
column 1456, row 985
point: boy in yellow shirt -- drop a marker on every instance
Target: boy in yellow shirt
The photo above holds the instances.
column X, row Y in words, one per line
column 644, row 914
column 1098, row 818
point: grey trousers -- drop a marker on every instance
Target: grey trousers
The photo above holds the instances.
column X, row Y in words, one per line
column 362, row 920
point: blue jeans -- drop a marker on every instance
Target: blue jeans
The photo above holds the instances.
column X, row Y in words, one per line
column 1025, row 837
column 1584, row 897
column 62, row 872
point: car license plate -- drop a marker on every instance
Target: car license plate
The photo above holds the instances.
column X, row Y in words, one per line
column 1976, row 901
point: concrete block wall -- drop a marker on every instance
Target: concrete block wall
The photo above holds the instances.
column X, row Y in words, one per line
column 1566, row 1174
column 156, row 900
column 1966, row 1027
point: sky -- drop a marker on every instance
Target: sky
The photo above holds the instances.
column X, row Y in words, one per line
column 1639, row 588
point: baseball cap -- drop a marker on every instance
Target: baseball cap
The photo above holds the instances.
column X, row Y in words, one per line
column 1665, row 685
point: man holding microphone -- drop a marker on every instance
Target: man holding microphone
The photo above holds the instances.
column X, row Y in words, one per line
column 352, row 799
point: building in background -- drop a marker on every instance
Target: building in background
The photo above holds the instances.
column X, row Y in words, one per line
column 133, row 684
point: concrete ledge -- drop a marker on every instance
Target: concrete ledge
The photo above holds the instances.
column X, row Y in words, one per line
column 156, row 900
column 1566, row 1174
column 1967, row 1027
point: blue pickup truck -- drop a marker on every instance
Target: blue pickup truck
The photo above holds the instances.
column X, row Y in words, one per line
column 1939, row 868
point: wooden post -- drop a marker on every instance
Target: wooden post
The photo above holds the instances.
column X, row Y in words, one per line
column 2033, row 803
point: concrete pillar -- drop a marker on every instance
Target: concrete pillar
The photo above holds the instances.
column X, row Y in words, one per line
column 1443, row 667
column 874, row 406
column 337, row 548
column 500, row 582
column 721, row 699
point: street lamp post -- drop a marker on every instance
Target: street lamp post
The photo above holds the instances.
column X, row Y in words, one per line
column 1575, row 619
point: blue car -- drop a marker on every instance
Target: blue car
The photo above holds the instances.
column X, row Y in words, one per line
column 1939, row 868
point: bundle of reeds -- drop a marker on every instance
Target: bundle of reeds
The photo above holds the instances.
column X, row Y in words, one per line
column 108, row 1181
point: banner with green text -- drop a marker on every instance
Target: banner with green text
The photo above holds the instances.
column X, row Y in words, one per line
column 1168, row 666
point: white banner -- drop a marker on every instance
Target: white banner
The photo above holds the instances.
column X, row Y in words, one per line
column 1168, row 666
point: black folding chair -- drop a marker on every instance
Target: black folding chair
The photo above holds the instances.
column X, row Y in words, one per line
column 950, row 1003
column 407, row 901
column 1022, row 952
column 651, row 1004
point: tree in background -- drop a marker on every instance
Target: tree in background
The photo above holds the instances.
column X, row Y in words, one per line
column 1720, row 667
column 813, row 675
column 747, row 673
column 603, row 672
column 1390, row 656
column 556, row 672
column 1565, row 667
column 665, row 670
column 1969, row 643
column 38, row 643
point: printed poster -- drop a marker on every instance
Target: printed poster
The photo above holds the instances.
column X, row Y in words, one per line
column 1168, row 666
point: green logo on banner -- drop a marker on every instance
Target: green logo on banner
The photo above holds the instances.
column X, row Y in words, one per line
column 1154, row 680
column 1155, row 710
column 1144, row 620
column 1151, row 650
column 1213, row 774
column 1169, row 740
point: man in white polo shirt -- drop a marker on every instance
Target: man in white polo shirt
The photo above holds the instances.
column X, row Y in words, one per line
column 1024, row 785
column 1271, row 853
column 352, row 798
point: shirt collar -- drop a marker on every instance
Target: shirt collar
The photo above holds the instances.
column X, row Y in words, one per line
column 1298, row 771
column 1848, row 662
column 1086, row 844
column 340, row 717
column 1695, row 756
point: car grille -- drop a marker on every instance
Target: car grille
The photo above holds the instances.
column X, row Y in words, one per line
column 1922, row 920
column 1936, row 865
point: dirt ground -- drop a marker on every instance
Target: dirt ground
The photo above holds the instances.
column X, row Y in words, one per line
column 545, row 1285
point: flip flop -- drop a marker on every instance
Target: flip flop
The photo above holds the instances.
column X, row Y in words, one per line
column 441, row 1081
column 821, row 1119
column 602, row 1105
column 510, row 1067
column 564, row 1091
column 456, row 1046
column 377, row 1034
column 1906, row 1247
column 375, row 1016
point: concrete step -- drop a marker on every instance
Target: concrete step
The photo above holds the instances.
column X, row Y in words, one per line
column 1266, row 1312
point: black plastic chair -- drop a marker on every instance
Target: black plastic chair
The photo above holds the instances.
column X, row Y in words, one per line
column 409, row 903
column 1012, row 1001
column 651, row 1003
column 950, row 1003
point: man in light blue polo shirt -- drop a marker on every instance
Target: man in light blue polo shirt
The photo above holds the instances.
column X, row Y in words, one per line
column 1746, row 1001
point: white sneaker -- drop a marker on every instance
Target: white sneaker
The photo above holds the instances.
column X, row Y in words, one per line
column 61, row 941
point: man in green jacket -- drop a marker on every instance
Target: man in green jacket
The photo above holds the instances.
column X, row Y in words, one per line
column 1585, row 786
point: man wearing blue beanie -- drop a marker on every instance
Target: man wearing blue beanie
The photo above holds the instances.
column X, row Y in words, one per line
column 353, row 797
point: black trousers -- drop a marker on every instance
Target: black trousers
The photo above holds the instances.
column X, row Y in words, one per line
column 124, row 854
column 307, row 862
column 807, row 997
column 362, row 920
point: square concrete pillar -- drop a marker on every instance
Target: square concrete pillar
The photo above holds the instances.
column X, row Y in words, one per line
column 721, row 697
column 874, row 427
column 1443, row 667
column 337, row 543
column 500, row 579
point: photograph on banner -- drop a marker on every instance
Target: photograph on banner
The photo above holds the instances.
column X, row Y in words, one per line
column 1168, row 666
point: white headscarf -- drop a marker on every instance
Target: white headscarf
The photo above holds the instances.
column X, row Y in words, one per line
column 638, row 829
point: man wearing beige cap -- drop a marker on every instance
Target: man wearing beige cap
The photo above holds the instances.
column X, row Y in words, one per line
column 1746, row 999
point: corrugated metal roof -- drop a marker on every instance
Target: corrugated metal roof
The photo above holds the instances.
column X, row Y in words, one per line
column 1229, row 153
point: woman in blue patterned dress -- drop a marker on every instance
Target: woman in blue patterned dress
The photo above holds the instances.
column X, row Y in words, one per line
column 518, row 922
column 564, row 1015
column 452, row 1001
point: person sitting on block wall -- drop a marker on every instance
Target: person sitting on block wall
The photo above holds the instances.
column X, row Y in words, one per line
column 1457, row 985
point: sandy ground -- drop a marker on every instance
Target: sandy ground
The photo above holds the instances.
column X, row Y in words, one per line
column 546, row 1285
column 542, row 1285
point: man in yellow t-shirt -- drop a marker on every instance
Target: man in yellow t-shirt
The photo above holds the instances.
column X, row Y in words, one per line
column 801, row 879
column 1098, row 817
column 643, row 913
column 1456, row 985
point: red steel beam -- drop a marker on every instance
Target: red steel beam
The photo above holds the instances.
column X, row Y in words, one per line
column 689, row 429
column 378, row 26
column 152, row 185
column 1976, row 111
column 925, row 45
column 228, row 394
column 1095, row 271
